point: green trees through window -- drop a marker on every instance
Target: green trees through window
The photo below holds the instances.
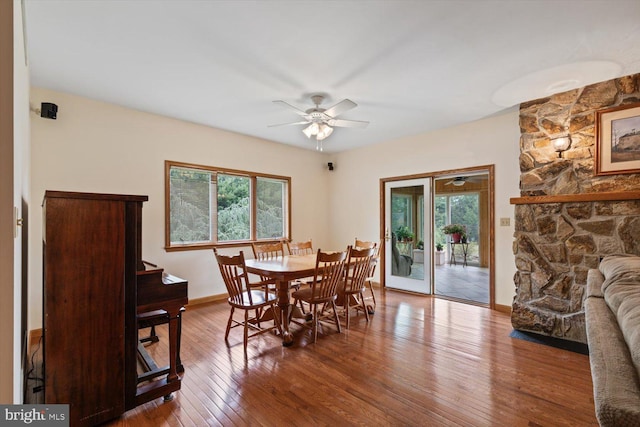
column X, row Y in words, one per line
column 234, row 214
column 190, row 219
column 458, row 209
column 211, row 206
column 271, row 206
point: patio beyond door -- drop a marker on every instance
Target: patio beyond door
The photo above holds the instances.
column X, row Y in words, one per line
column 408, row 235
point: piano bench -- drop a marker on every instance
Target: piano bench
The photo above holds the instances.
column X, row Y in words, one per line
column 151, row 319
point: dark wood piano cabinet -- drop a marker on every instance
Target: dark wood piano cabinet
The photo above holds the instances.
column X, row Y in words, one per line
column 92, row 264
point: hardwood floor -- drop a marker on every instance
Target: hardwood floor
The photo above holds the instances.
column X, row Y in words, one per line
column 420, row 361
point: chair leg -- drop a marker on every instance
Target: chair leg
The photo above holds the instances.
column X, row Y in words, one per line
column 246, row 329
column 364, row 306
column 226, row 334
column 373, row 294
column 347, row 306
column 258, row 316
column 315, row 322
column 335, row 316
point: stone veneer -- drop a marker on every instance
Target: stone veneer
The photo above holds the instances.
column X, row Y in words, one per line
column 557, row 243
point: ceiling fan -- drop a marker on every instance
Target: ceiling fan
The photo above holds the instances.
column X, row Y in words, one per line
column 321, row 121
column 459, row 181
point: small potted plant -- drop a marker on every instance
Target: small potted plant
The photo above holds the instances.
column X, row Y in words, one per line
column 439, row 254
column 404, row 234
column 457, row 232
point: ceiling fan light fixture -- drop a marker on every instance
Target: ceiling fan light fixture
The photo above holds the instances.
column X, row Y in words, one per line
column 321, row 121
column 458, row 183
column 311, row 130
column 324, row 132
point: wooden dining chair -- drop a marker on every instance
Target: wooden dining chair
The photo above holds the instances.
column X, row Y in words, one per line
column 323, row 290
column 268, row 250
column 243, row 295
column 264, row 251
column 300, row 248
column 351, row 290
column 363, row 244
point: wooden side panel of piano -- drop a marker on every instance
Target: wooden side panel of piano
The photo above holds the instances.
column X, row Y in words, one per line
column 94, row 285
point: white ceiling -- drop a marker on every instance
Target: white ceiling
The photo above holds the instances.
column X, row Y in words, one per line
column 411, row 66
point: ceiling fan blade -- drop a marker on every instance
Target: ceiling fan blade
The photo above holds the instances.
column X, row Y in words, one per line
column 340, row 107
column 295, row 109
column 289, row 124
column 347, row 123
column 450, row 182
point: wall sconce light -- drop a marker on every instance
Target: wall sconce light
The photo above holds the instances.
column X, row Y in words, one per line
column 561, row 144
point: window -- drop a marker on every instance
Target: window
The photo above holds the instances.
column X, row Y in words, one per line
column 270, row 206
column 208, row 206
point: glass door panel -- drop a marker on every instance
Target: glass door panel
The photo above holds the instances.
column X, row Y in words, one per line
column 462, row 269
column 408, row 259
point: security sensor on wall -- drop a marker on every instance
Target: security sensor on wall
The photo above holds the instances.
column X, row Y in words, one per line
column 48, row 110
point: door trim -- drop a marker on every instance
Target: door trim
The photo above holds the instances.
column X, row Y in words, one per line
column 490, row 170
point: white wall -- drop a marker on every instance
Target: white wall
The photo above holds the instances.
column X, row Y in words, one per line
column 356, row 208
column 99, row 147
column 104, row 148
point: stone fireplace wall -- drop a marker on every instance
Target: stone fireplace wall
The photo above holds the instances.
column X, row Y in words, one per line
column 557, row 242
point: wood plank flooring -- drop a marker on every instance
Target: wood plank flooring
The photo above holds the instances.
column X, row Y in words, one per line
column 420, row 361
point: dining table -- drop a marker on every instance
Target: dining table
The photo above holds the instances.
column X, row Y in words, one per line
column 283, row 270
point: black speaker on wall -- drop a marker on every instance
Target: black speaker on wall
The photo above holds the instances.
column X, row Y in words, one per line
column 49, row 110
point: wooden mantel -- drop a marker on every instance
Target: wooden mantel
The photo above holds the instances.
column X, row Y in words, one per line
column 572, row 198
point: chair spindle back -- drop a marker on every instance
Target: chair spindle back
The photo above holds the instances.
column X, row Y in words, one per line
column 364, row 244
column 329, row 271
column 359, row 265
column 263, row 251
column 300, row 248
column 234, row 274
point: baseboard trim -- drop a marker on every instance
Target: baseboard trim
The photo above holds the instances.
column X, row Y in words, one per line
column 208, row 299
column 503, row 308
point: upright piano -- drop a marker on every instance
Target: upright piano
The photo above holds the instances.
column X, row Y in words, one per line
column 95, row 287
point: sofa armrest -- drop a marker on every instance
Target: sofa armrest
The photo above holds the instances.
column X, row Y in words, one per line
column 594, row 283
column 616, row 388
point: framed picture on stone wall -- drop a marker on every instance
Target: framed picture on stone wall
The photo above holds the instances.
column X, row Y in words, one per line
column 618, row 140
